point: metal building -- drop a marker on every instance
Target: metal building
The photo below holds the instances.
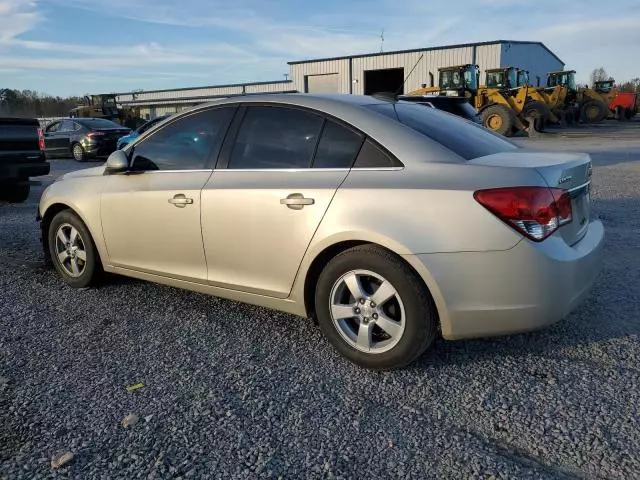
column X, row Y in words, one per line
column 153, row 103
column 362, row 74
column 367, row 74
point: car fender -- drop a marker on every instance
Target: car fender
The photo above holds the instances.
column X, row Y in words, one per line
column 320, row 243
column 83, row 198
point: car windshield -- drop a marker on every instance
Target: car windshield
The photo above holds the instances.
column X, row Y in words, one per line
column 461, row 137
column 99, row 123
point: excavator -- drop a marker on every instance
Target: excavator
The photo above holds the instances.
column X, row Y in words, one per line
column 503, row 105
column 591, row 105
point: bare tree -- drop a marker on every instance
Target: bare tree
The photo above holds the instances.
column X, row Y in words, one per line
column 599, row 75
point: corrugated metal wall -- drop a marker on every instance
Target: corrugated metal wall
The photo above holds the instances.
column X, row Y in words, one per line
column 430, row 62
column 532, row 57
column 272, row 87
column 300, row 70
column 487, row 56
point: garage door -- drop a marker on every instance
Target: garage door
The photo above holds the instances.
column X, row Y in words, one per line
column 329, row 83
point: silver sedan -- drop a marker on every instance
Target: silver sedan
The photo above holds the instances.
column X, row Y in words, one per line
column 389, row 222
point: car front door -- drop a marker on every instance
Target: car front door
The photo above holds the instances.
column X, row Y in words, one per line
column 264, row 202
column 151, row 215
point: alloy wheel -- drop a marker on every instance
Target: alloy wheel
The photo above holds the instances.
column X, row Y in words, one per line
column 70, row 250
column 78, row 152
column 367, row 311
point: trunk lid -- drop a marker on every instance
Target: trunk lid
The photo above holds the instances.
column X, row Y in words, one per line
column 113, row 133
column 568, row 171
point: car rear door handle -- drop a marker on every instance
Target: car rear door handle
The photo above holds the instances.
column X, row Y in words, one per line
column 296, row 201
column 180, row 200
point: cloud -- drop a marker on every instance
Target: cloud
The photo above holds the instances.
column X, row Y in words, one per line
column 16, row 18
column 247, row 40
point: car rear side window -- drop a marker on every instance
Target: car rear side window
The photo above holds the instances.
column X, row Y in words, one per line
column 461, row 137
column 372, row 156
column 338, row 146
column 185, row 144
column 276, row 138
column 67, row 126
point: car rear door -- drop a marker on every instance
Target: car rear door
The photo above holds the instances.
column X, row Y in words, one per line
column 275, row 179
column 63, row 137
column 151, row 215
column 52, row 139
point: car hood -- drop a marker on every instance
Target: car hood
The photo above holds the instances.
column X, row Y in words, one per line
column 85, row 172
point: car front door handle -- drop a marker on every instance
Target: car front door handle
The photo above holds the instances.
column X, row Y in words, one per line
column 296, row 201
column 180, row 200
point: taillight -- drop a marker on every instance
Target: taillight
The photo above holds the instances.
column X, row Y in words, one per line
column 536, row 212
column 40, row 139
column 94, row 134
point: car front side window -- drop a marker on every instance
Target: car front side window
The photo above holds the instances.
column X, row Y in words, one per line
column 185, row 144
column 276, row 138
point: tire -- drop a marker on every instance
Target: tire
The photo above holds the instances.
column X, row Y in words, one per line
column 88, row 267
column 15, row 192
column 409, row 312
column 78, row 153
column 629, row 113
column 499, row 119
column 537, row 110
column 593, row 111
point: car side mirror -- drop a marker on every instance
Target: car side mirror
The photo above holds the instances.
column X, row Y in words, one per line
column 117, row 162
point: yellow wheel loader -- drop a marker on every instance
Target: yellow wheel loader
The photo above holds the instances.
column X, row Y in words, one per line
column 503, row 106
column 591, row 105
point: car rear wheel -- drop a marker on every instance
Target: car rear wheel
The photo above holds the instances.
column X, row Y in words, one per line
column 72, row 250
column 15, row 192
column 374, row 309
column 78, row 152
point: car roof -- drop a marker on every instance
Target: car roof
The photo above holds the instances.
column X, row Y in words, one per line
column 400, row 140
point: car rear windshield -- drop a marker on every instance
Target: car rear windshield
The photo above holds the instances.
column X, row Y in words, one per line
column 100, row 123
column 461, row 137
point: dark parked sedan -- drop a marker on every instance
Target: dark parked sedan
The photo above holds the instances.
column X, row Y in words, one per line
column 82, row 138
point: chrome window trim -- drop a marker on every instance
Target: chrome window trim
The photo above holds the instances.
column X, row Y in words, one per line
column 294, row 170
column 279, row 170
column 197, row 170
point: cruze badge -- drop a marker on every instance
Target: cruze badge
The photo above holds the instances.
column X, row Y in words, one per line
column 565, row 179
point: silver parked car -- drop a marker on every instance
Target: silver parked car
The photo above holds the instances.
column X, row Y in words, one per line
column 389, row 222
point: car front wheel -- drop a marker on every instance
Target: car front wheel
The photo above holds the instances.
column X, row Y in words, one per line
column 374, row 308
column 72, row 250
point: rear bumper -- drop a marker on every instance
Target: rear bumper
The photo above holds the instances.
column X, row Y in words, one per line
column 531, row 286
column 22, row 171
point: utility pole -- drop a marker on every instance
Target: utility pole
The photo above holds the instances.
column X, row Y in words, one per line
column 382, row 41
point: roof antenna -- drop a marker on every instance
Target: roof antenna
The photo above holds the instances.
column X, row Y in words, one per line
column 382, row 41
column 401, row 87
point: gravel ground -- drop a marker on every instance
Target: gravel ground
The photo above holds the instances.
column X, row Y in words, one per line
column 234, row 391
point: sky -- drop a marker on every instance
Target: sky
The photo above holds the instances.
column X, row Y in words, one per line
column 75, row 47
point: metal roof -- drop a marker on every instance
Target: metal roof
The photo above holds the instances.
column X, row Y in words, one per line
column 207, row 86
column 426, row 49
